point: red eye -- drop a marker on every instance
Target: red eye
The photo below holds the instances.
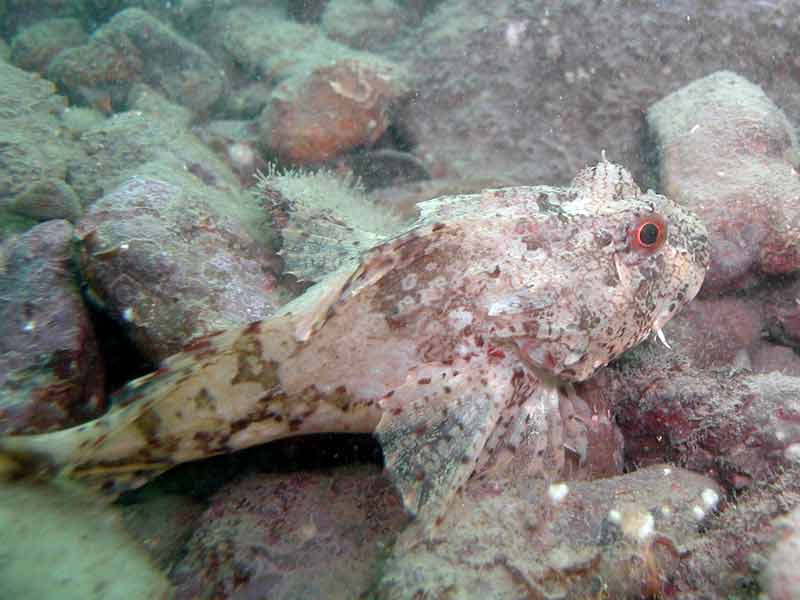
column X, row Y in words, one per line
column 649, row 233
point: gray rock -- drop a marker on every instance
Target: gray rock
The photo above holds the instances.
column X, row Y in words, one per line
column 48, row 199
column 366, row 25
column 59, row 543
column 153, row 138
column 781, row 578
column 304, row 535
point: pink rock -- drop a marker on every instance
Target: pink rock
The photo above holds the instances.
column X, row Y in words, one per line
column 728, row 152
column 768, row 357
column 717, row 332
column 172, row 266
column 739, row 428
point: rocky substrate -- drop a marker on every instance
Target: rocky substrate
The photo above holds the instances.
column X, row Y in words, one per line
column 131, row 136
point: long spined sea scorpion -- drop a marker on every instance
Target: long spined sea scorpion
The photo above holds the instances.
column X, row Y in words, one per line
column 451, row 343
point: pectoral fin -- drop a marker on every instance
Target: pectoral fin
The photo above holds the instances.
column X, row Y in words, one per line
column 431, row 440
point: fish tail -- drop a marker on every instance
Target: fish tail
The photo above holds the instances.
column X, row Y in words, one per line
column 27, row 457
column 58, row 456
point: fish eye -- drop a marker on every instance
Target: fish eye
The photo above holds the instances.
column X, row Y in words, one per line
column 649, row 233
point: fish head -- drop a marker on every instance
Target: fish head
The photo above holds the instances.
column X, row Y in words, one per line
column 595, row 270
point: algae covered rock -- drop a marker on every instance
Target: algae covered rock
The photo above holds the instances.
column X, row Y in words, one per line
column 131, row 48
column 33, row 148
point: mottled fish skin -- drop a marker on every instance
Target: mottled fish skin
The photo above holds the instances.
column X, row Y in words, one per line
column 453, row 343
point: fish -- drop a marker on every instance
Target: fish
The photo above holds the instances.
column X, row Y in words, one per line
column 453, row 343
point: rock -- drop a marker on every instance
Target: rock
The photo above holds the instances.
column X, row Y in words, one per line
column 33, row 147
column 386, row 167
column 322, row 222
column 300, row 535
column 51, row 376
column 769, row 357
column 621, row 537
column 33, row 48
column 162, row 522
column 173, row 265
column 316, row 117
column 131, row 48
column 270, row 47
column 781, row 578
column 307, row 11
column 247, row 101
column 153, row 140
column 782, row 314
column 61, row 543
column 48, row 199
column 17, row 15
column 718, row 332
column 730, row 558
column 235, row 142
column 329, row 98
column 726, row 151
column 527, row 91
column 739, row 427
column 365, row 25
column 143, row 98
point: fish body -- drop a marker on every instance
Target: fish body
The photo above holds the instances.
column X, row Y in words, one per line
column 454, row 343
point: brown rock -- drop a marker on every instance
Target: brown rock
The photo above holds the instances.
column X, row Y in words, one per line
column 316, row 117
